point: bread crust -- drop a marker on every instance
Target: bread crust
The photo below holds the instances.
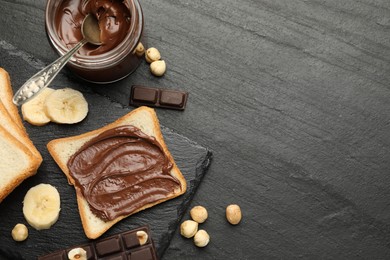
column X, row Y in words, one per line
column 6, row 96
column 20, row 134
column 136, row 117
column 9, row 115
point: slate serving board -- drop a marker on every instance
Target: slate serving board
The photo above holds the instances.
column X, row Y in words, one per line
column 192, row 159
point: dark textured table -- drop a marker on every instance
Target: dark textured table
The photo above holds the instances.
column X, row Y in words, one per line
column 292, row 97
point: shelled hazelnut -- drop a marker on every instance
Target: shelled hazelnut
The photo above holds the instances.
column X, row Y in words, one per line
column 140, row 49
column 199, row 214
column 142, row 237
column 188, row 228
column 152, row 54
column 233, row 214
column 201, row 238
column 77, row 254
column 158, row 68
column 19, row 232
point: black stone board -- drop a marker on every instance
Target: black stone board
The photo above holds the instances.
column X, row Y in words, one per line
column 163, row 219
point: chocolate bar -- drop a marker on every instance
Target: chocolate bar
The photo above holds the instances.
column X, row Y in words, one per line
column 157, row 97
column 122, row 246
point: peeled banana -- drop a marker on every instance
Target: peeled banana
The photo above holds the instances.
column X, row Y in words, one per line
column 41, row 206
column 33, row 111
column 66, row 106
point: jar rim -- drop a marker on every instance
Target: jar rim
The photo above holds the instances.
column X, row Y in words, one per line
column 109, row 58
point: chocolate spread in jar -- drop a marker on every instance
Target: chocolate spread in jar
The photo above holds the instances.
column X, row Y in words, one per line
column 113, row 17
column 120, row 171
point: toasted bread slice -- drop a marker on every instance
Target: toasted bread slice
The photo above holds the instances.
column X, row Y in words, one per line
column 16, row 163
column 6, row 95
column 62, row 149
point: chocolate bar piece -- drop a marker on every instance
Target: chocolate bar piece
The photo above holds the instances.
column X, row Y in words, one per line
column 123, row 246
column 157, row 97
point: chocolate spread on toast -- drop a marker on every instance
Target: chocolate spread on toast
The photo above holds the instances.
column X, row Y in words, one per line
column 120, row 171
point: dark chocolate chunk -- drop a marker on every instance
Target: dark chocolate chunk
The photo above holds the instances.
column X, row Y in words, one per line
column 117, row 257
column 145, row 95
column 131, row 240
column 158, row 97
column 144, row 254
column 172, row 98
column 55, row 256
column 108, row 246
column 123, row 246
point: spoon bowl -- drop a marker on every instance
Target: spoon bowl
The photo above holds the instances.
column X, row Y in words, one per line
column 90, row 30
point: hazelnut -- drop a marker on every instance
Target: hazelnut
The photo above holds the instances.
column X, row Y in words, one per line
column 140, row 49
column 142, row 237
column 158, row 68
column 233, row 214
column 77, row 254
column 201, row 238
column 188, row 228
column 199, row 214
column 152, row 54
column 19, row 232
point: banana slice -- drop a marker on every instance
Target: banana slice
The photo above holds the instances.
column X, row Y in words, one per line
column 33, row 111
column 66, row 106
column 41, row 206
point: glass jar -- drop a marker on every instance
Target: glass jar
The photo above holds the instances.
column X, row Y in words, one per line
column 109, row 66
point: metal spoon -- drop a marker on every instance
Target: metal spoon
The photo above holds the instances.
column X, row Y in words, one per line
column 91, row 33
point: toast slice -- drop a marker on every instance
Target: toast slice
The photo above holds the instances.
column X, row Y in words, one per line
column 20, row 134
column 62, row 150
column 6, row 96
column 16, row 163
column 19, row 157
column 10, row 118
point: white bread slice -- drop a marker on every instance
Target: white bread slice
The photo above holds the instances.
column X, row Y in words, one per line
column 14, row 135
column 9, row 119
column 6, row 96
column 9, row 125
column 16, row 163
column 62, row 149
column 9, row 113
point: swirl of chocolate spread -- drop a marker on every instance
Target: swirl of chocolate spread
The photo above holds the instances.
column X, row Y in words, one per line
column 113, row 17
column 120, row 171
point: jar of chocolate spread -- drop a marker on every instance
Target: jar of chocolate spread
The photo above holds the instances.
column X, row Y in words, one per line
column 121, row 25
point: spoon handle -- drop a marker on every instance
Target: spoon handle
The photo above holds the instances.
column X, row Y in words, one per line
column 44, row 77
